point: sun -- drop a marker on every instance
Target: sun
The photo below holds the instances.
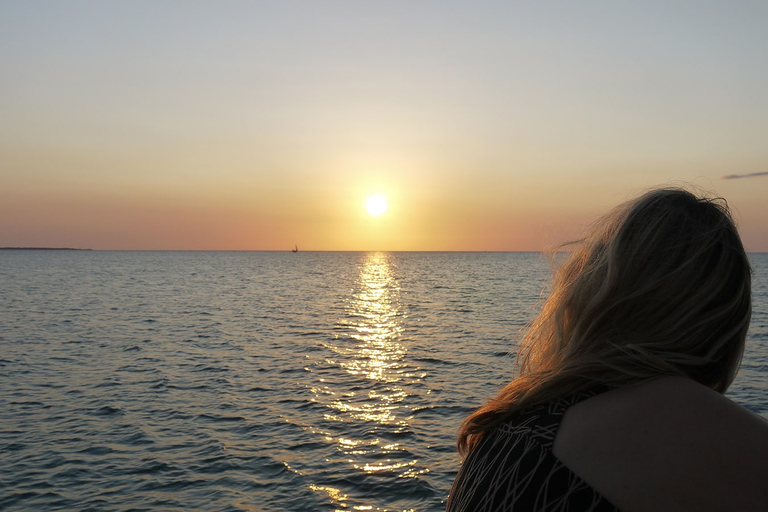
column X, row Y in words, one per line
column 376, row 205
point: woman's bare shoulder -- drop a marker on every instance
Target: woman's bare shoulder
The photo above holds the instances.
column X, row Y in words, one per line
column 669, row 443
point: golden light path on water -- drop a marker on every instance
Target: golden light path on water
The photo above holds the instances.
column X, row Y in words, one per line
column 368, row 401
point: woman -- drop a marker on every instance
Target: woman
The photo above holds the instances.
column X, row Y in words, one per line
column 619, row 401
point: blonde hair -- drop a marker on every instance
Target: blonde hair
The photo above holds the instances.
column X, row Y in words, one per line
column 659, row 286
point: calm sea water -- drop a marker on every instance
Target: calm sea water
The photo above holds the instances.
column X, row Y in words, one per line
column 261, row 381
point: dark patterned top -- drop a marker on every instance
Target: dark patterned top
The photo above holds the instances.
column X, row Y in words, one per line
column 513, row 468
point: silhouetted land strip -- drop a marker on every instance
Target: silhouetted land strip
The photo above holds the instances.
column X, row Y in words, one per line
column 42, row 249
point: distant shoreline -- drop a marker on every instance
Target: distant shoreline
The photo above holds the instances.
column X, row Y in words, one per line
column 42, row 249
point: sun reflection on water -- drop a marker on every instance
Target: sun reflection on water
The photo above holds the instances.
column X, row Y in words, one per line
column 366, row 395
column 374, row 317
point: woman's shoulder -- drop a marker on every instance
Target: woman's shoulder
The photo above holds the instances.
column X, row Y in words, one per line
column 669, row 443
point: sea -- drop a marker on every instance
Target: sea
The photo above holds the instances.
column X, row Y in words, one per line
column 250, row 381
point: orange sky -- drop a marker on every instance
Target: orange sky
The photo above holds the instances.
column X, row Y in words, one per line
column 257, row 126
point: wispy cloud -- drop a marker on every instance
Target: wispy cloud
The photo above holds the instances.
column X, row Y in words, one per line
column 750, row 175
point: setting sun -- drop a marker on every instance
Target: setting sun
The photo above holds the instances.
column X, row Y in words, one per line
column 376, row 205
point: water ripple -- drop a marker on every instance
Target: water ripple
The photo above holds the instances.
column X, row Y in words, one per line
column 253, row 381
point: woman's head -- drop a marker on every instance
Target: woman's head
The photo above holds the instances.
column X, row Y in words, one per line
column 659, row 286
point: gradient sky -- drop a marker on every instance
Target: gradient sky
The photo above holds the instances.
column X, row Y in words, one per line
column 260, row 125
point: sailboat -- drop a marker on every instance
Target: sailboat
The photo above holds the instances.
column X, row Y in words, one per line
column 295, row 248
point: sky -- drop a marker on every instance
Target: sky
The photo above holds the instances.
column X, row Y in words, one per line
column 264, row 125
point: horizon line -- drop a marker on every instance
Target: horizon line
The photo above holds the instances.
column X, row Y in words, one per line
column 291, row 251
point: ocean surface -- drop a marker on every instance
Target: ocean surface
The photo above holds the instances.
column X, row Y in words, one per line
column 261, row 380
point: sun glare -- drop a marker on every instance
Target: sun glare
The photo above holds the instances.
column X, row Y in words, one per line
column 376, row 205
